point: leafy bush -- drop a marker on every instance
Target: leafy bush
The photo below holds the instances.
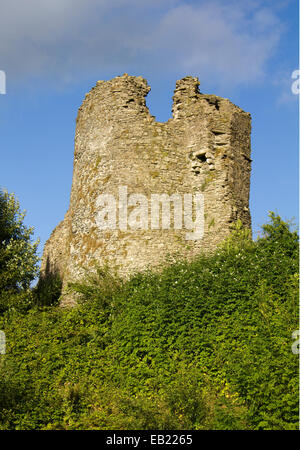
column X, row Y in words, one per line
column 200, row 345
column 18, row 258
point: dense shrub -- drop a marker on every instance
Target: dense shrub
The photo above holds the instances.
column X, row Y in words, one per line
column 18, row 257
column 199, row 345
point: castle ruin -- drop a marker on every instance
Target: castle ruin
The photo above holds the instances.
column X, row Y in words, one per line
column 121, row 149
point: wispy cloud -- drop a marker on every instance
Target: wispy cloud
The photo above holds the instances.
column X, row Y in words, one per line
column 230, row 41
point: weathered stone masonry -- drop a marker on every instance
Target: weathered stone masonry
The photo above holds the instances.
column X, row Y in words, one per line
column 205, row 148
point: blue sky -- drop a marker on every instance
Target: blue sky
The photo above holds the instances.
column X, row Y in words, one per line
column 54, row 51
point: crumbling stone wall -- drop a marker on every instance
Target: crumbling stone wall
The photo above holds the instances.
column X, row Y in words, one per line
column 204, row 148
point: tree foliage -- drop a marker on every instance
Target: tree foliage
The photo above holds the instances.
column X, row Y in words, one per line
column 18, row 254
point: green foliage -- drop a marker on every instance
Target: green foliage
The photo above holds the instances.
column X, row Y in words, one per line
column 18, row 258
column 200, row 345
column 99, row 286
column 48, row 290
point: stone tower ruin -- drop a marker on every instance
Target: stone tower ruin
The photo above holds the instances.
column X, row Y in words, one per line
column 120, row 149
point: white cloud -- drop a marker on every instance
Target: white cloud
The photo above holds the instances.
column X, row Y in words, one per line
column 217, row 41
column 68, row 39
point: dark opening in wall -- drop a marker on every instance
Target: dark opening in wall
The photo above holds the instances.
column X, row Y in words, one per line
column 202, row 157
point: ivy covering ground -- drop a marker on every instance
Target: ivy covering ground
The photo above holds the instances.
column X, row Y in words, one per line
column 199, row 345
